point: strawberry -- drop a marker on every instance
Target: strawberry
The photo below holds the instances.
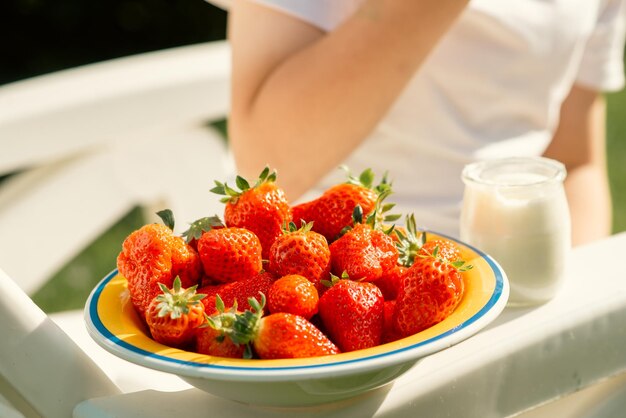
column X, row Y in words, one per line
column 389, row 283
column 352, row 313
column 293, row 294
column 409, row 242
column 230, row 254
column 444, row 249
column 364, row 252
column 389, row 333
column 175, row 314
column 214, row 343
column 412, row 243
column 153, row 255
column 431, row 289
column 237, row 292
column 262, row 208
column 275, row 336
column 301, row 251
column 332, row 211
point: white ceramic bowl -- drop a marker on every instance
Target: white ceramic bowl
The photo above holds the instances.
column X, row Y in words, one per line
column 113, row 323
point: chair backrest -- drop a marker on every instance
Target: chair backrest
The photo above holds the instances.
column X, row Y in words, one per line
column 90, row 143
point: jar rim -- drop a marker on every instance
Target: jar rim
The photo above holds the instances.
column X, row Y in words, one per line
column 485, row 172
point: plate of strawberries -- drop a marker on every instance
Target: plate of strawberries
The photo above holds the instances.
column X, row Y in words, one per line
column 276, row 304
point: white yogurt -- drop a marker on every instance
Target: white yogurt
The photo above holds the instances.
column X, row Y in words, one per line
column 515, row 210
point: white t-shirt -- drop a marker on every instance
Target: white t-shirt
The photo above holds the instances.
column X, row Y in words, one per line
column 492, row 87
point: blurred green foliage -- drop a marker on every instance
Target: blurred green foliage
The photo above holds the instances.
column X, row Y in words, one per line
column 616, row 156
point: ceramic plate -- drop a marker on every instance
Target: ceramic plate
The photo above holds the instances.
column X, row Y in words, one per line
column 113, row 323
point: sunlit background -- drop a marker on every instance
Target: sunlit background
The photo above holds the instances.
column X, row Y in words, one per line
column 39, row 37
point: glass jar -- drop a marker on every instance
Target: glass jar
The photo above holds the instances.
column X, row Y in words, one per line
column 515, row 210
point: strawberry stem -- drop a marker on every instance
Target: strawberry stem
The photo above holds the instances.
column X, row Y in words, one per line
column 334, row 279
column 241, row 328
column 366, row 179
column 231, row 195
column 410, row 244
column 460, row 265
column 202, row 225
column 175, row 302
column 290, row 227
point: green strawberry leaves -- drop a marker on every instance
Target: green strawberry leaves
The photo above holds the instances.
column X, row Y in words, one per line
column 241, row 328
column 196, row 228
column 460, row 265
column 231, row 195
column 175, row 302
column 334, row 279
column 200, row 226
column 167, row 216
column 366, row 179
column 290, row 227
column 409, row 244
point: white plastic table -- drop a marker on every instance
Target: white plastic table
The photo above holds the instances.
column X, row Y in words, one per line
column 526, row 358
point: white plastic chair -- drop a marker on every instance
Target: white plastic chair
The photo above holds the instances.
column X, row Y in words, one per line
column 84, row 146
column 90, row 143
column 42, row 372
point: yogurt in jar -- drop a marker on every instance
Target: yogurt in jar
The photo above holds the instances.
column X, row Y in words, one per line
column 515, row 210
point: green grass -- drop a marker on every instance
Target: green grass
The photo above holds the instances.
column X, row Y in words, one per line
column 616, row 156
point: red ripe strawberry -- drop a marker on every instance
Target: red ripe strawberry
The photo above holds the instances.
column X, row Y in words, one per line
column 332, row 211
column 364, row 253
column 174, row 315
column 214, row 343
column 230, row 254
column 389, row 333
column 301, row 251
column 444, row 249
column 409, row 243
column 352, row 313
column 284, row 335
column 237, row 292
column 293, row 294
column 389, row 283
column 153, row 255
column 276, row 336
column 431, row 289
column 262, row 208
